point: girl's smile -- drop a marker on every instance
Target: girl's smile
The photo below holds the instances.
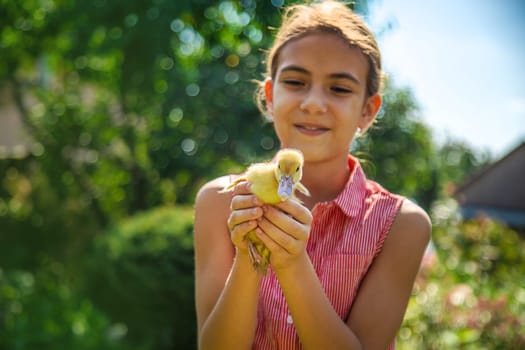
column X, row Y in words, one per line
column 311, row 129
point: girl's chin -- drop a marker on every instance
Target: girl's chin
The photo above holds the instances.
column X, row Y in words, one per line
column 317, row 153
column 312, row 154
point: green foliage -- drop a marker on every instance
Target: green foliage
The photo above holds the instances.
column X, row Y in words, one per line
column 42, row 311
column 142, row 91
column 39, row 220
column 472, row 296
column 456, row 161
column 140, row 272
column 398, row 151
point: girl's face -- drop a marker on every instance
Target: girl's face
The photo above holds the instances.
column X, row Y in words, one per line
column 318, row 98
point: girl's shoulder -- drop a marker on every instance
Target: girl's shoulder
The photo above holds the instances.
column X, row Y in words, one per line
column 211, row 192
column 211, row 211
column 216, row 184
column 412, row 225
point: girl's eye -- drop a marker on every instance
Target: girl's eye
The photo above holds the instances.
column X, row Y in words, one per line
column 293, row 82
column 341, row 90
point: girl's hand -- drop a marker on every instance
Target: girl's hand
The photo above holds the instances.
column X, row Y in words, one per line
column 246, row 210
column 284, row 229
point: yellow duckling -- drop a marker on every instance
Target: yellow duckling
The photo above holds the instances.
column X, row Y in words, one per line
column 272, row 182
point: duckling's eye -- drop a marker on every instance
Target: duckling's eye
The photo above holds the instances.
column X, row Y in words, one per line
column 297, row 170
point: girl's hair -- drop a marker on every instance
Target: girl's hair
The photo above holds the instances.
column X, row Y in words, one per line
column 326, row 16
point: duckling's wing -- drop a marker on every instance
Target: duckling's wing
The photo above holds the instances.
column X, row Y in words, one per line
column 302, row 189
column 233, row 184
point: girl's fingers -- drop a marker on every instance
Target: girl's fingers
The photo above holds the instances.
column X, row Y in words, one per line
column 239, row 231
column 242, row 187
column 295, row 209
column 275, row 247
column 243, row 201
column 240, row 216
column 245, row 212
column 279, row 238
column 286, row 223
column 284, row 229
column 242, row 198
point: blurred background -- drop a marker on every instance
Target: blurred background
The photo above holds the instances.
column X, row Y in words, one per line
column 113, row 113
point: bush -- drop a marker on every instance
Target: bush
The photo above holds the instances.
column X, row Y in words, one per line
column 472, row 296
column 41, row 311
column 141, row 273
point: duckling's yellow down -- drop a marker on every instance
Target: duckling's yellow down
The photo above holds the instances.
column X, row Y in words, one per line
column 272, row 183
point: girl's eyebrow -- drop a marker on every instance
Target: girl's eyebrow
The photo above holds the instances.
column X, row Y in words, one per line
column 342, row 75
column 294, row 68
column 346, row 76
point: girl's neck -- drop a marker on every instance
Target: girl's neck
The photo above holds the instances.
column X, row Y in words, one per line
column 324, row 180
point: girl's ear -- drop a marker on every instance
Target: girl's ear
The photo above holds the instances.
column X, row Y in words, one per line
column 370, row 109
column 268, row 92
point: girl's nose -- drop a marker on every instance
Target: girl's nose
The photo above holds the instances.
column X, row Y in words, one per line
column 313, row 102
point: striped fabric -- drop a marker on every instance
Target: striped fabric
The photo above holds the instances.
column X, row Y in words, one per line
column 346, row 235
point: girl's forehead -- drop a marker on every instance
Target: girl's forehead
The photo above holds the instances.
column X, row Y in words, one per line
column 322, row 52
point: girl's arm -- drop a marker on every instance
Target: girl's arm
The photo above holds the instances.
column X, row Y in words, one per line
column 226, row 286
column 379, row 307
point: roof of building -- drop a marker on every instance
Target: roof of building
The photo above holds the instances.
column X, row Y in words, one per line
column 501, row 184
column 497, row 190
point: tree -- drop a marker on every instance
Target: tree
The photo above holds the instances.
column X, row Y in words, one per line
column 457, row 161
column 398, row 151
column 145, row 91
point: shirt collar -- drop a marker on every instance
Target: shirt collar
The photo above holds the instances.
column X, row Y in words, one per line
column 351, row 198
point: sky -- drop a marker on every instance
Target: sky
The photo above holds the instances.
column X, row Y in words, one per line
column 464, row 60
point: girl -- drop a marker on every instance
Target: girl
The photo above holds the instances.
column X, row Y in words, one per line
column 344, row 261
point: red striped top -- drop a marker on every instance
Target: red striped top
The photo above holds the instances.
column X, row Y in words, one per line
column 346, row 235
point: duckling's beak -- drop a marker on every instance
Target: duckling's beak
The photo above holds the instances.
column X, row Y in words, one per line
column 285, row 187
